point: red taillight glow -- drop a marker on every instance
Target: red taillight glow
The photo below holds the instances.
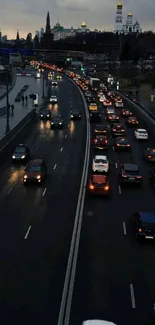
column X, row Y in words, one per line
column 106, row 188
column 95, row 141
column 139, row 230
column 149, row 156
column 122, row 130
column 91, row 187
column 106, row 141
column 139, row 177
column 114, row 130
column 128, row 145
column 123, row 175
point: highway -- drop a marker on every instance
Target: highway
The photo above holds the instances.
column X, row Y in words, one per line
column 36, row 222
column 115, row 275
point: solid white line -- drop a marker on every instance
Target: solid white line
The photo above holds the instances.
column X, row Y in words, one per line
column 66, row 300
column 55, row 166
column 124, row 228
column 113, row 148
column 10, row 190
column 44, row 191
column 119, row 189
column 116, row 165
column 132, row 296
column 65, row 135
column 61, row 149
column 27, row 233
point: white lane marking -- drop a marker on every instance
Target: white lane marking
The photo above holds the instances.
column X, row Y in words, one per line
column 124, row 228
column 55, row 166
column 10, row 190
column 113, row 148
column 44, row 191
column 61, row 149
column 132, row 296
column 27, row 233
column 65, row 135
column 119, row 189
column 116, row 165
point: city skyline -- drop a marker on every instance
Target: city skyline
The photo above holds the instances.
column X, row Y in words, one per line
column 98, row 15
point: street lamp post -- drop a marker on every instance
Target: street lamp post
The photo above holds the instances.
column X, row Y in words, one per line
column 7, row 103
column 43, row 95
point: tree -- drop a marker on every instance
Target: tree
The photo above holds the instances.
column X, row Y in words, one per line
column 126, row 52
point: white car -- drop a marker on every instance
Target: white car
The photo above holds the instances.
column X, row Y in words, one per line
column 102, row 99
column 100, row 164
column 110, row 111
column 53, row 99
column 141, row 134
column 54, row 83
column 119, row 103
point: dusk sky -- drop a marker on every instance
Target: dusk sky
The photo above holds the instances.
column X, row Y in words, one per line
column 29, row 15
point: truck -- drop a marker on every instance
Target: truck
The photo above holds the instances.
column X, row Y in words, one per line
column 95, row 83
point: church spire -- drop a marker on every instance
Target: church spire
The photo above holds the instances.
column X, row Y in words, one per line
column 17, row 36
column 48, row 26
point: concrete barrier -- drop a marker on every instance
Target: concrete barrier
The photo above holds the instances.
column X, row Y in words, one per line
column 16, row 135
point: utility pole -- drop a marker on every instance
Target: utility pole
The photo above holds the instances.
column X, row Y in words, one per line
column 43, row 85
column 7, row 102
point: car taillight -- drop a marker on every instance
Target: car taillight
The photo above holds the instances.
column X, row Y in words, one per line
column 106, row 188
column 106, row 141
column 136, row 122
column 123, row 175
column 139, row 177
column 118, row 145
column 122, row 130
column 139, row 230
column 128, row 145
column 114, row 130
column 149, row 156
column 95, row 141
column 91, row 187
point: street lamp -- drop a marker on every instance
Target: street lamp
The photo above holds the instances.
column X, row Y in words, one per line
column 43, row 93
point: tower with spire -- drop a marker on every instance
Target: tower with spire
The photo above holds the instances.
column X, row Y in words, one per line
column 119, row 18
column 48, row 25
column 17, row 36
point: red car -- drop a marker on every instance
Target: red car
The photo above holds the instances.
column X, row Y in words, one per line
column 100, row 142
column 98, row 185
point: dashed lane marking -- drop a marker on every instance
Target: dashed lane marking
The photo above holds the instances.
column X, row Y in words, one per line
column 132, row 296
column 119, row 189
column 113, row 148
column 44, row 192
column 55, row 166
column 65, row 135
column 10, row 190
column 61, row 149
column 124, row 228
column 116, row 165
column 27, row 233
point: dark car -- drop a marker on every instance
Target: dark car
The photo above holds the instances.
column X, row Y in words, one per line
column 132, row 121
column 45, row 114
column 91, row 99
column 35, row 172
column 18, row 98
column 57, row 121
column 113, row 118
column 99, row 185
column 75, row 115
column 152, row 176
column 149, row 154
column 130, row 174
column 95, row 116
column 100, row 129
column 117, row 129
column 25, row 88
column 21, row 153
column 144, row 224
column 122, row 143
column 100, row 142
column 126, row 112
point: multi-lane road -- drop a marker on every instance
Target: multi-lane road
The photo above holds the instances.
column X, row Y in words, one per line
column 115, row 275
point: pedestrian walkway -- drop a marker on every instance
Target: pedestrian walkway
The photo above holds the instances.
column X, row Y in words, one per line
column 20, row 110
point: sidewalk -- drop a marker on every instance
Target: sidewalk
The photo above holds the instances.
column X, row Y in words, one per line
column 20, row 111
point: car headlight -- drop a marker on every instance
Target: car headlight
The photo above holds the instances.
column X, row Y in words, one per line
column 38, row 177
column 52, row 123
column 60, row 123
column 71, row 115
column 13, row 157
column 41, row 115
column 25, row 176
column 48, row 116
column 22, row 157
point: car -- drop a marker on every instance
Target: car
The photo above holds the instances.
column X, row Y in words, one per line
column 100, row 164
column 75, row 115
column 122, row 143
column 100, row 129
column 35, row 172
column 18, row 98
column 59, row 77
column 110, row 111
column 149, row 154
column 88, row 93
column 57, row 121
column 141, row 134
column 113, row 118
column 21, row 153
column 130, row 174
column 45, row 114
column 54, row 83
column 126, row 113
column 117, row 129
column 132, row 121
column 93, row 107
column 100, row 94
column 53, row 99
column 102, row 99
column 119, row 103
column 107, row 103
column 98, row 185
column 90, row 99
column 111, row 94
column 144, row 225
column 151, row 176
column 95, row 116
column 100, row 142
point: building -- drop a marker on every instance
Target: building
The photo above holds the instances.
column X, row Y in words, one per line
column 130, row 26
column 37, row 33
column 60, row 32
column 41, row 33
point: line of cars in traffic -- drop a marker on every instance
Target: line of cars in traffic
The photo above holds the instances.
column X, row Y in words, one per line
column 21, row 92
column 129, row 173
